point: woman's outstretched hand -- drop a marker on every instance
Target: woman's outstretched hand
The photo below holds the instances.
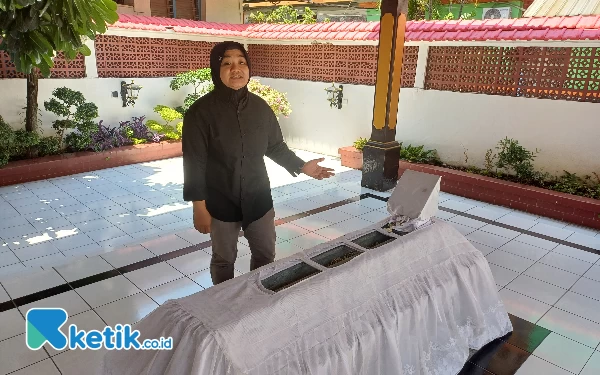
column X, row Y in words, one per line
column 314, row 170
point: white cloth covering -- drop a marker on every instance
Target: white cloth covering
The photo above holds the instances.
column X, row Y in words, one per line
column 412, row 306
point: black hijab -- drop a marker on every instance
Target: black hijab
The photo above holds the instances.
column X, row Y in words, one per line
column 216, row 55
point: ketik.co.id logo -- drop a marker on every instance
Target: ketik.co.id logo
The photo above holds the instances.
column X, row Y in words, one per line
column 44, row 324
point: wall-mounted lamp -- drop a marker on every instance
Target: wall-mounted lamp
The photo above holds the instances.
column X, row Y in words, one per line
column 129, row 93
column 335, row 95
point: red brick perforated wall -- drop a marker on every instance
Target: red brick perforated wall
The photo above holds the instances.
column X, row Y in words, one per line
column 129, row 57
column 325, row 63
column 63, row 68
column 536, row 72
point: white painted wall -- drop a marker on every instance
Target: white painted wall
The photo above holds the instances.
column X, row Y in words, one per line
column 225, row 11
column 566, row 133
column 313, row 125
column 97, row 90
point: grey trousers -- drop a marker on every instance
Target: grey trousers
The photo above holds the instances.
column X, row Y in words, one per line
column 224, row 235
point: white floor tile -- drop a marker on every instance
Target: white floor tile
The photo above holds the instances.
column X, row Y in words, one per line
column 193, row 236
column 11, row 219
column 588, row 288
column 242, row 264
column 173, row 290
column 572, row 326
column 4, row 297
column 502, row 275
column 333, row 216
column 288, row 231
column 585, row 240
column 522, row 306
column 83, row 268
column 285, row 249
column 509, row 260
column 127, row 255
column 518, row 220
column 593, row 365
column 72, row 242
column 553, row 222
column 577, row 253
column 457, row 206
column 128, row 310
column 490, row 213
column 14, row 354
column 167, row 244
column 443, row 215
column 31, row 283
column 537, row 366
column 488, row 239
column 500, row 231
column 582, row 230
column 354, row 209
column 579, row 305
column 45, row 367
column 524, row 250
column 566, row 263
column 70, row 301
column 308, row 241
column 593, row 273
column 485, row 250
column 312, row 223
column 202, row 278
column 106, row 291
column 551, row 275
column 153, row 276
column 463, row 229
column 551, row 231
column 563, row 352
column 534, row 288
column 12, row 324
column 78, row 362
column 48, row 261
column 7, row 258
column 468, row 222
column 537, row 242
column 192, row 262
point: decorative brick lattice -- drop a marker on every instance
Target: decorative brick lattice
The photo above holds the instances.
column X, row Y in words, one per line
column 63, row 68
column 533, row 72
column 325, row 63
column 129, row 57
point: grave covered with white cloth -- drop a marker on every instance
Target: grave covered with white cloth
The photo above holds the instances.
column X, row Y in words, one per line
column 408, row 295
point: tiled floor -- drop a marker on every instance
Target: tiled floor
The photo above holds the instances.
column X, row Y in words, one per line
column 112, row 245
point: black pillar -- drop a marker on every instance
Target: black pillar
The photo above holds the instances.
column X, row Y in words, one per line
column 381, row 155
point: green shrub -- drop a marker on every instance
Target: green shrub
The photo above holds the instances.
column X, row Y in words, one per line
column 23, row 143
column 7, row 138
column 201, row 80
column 418, row 154
column 76, row 113
column 49, row 146
column 166, row 129
column 517, row 160
column 360, row 143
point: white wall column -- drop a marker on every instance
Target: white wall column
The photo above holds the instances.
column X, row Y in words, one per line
column 421, row 66
column 91, row 69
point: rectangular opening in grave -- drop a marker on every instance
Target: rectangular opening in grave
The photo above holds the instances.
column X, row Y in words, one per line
column 289, row 276
column 373, row 240
column 336, row 256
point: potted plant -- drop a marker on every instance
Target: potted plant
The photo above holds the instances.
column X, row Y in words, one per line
column 352, row 155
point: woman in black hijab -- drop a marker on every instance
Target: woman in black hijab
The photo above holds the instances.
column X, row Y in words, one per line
column 226, row 135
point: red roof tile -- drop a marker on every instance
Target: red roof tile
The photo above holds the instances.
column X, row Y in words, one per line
column 542, row 28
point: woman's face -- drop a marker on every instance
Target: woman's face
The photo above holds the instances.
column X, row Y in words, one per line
column 234, row 69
